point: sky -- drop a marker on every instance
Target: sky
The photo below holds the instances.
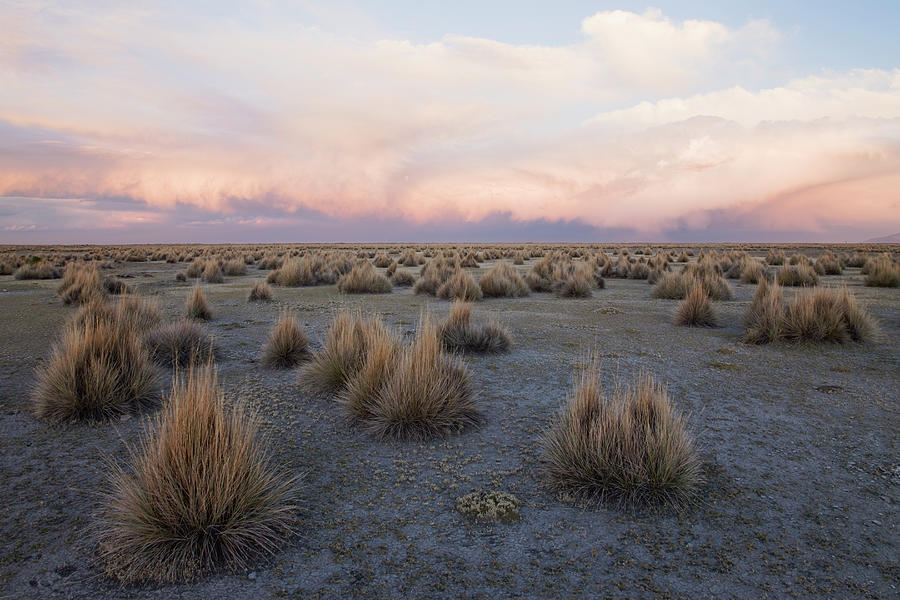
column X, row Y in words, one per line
column 377, row 121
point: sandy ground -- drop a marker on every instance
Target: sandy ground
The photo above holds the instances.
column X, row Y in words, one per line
column 799, row 446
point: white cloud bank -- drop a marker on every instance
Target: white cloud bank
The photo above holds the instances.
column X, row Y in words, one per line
column 645, row 123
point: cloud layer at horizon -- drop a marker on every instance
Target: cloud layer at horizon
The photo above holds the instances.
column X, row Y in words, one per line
column 118, row 121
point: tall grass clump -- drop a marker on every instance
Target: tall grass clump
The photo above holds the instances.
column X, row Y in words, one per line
column 347, row 345
column 212, row 273
column 797, row 275
column 460, row 286
column 503, row 280
column 180, row 344
column 287, row 345
column 260, row 292
column 364, row 279
column 39, row 270
column 696, row 310
column 98, row 371
column 202, row 494
column 882, row 272
column 459, row 333
column 80, row 283
column 631, row 447
column 427, row 395
column 197, row 306
column 402, row 278
column 830, row 315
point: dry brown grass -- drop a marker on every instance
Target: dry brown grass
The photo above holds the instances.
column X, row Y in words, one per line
column 98, row 371
column 197, row 306
column 813, row 316
column 883, row 272
column 503, row 281
column 180, row 344
column 427, row 395
column 797, row 275
column 630, row 448
column 260, row 292
column 202, row 494
column 364, row 279
column 762, row 321
column 80, row 283
column 40, row 270
column 459, row 333
column 234, row 268
column 287, row 345
column 460, row 286
column 402, row 278
column 676, row 285
column 347, row 345
column 212, row 273
column 696, row 310
column 752, row 271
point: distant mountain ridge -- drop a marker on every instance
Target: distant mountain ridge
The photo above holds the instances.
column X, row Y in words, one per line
column 887, row 239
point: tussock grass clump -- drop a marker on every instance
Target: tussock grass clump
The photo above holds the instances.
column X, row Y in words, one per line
column 197, row 306
column 359, row 396
column 212, row 273
column 80, row 283
column 427, row 394
column 180, row 344
column 883, row 272
column 40, row 270
column 503, row 281
column 696, row 310
column 676, row 285
column 115, row 286
column 308, row 270
column 630, row 448
column 181, row 276
column 774, row 257
column 202, row 495
column 347, row 345
column 828, row 264
column 856, row 260
column 826, row 315
column 763, row 319
column 752, row 271
column 287, row 345
column 382, row 261
column 578, row 283
column 98, row 371
column 402, row 278
column 260, row 292
column 434, row 274
column 234, row 267
column 459, row 333
column 364, row 279
column 460, row 286
column 820, row 315
column 797, row 275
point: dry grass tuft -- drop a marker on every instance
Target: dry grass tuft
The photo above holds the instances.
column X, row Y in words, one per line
column 364, row 279
column 39, row 270
column 402, row 278
column 212, row 273
column 261, row 292
column 197, row 306
column 347, row 345
column 234, row 267
column 630, row 448
column 427, row 395
column 287, row 345
column 180, row 344
column 202, row 496
column 503, row 281
column 883, row 272
column 799, row 274
column 460, row 286
column 763, row 319
column 820, row 315
column 458, row 332
column 98, row 371
column 696, row 310
column 80, row 283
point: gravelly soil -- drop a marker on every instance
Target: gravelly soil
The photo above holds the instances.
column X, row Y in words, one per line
column 799, row 446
